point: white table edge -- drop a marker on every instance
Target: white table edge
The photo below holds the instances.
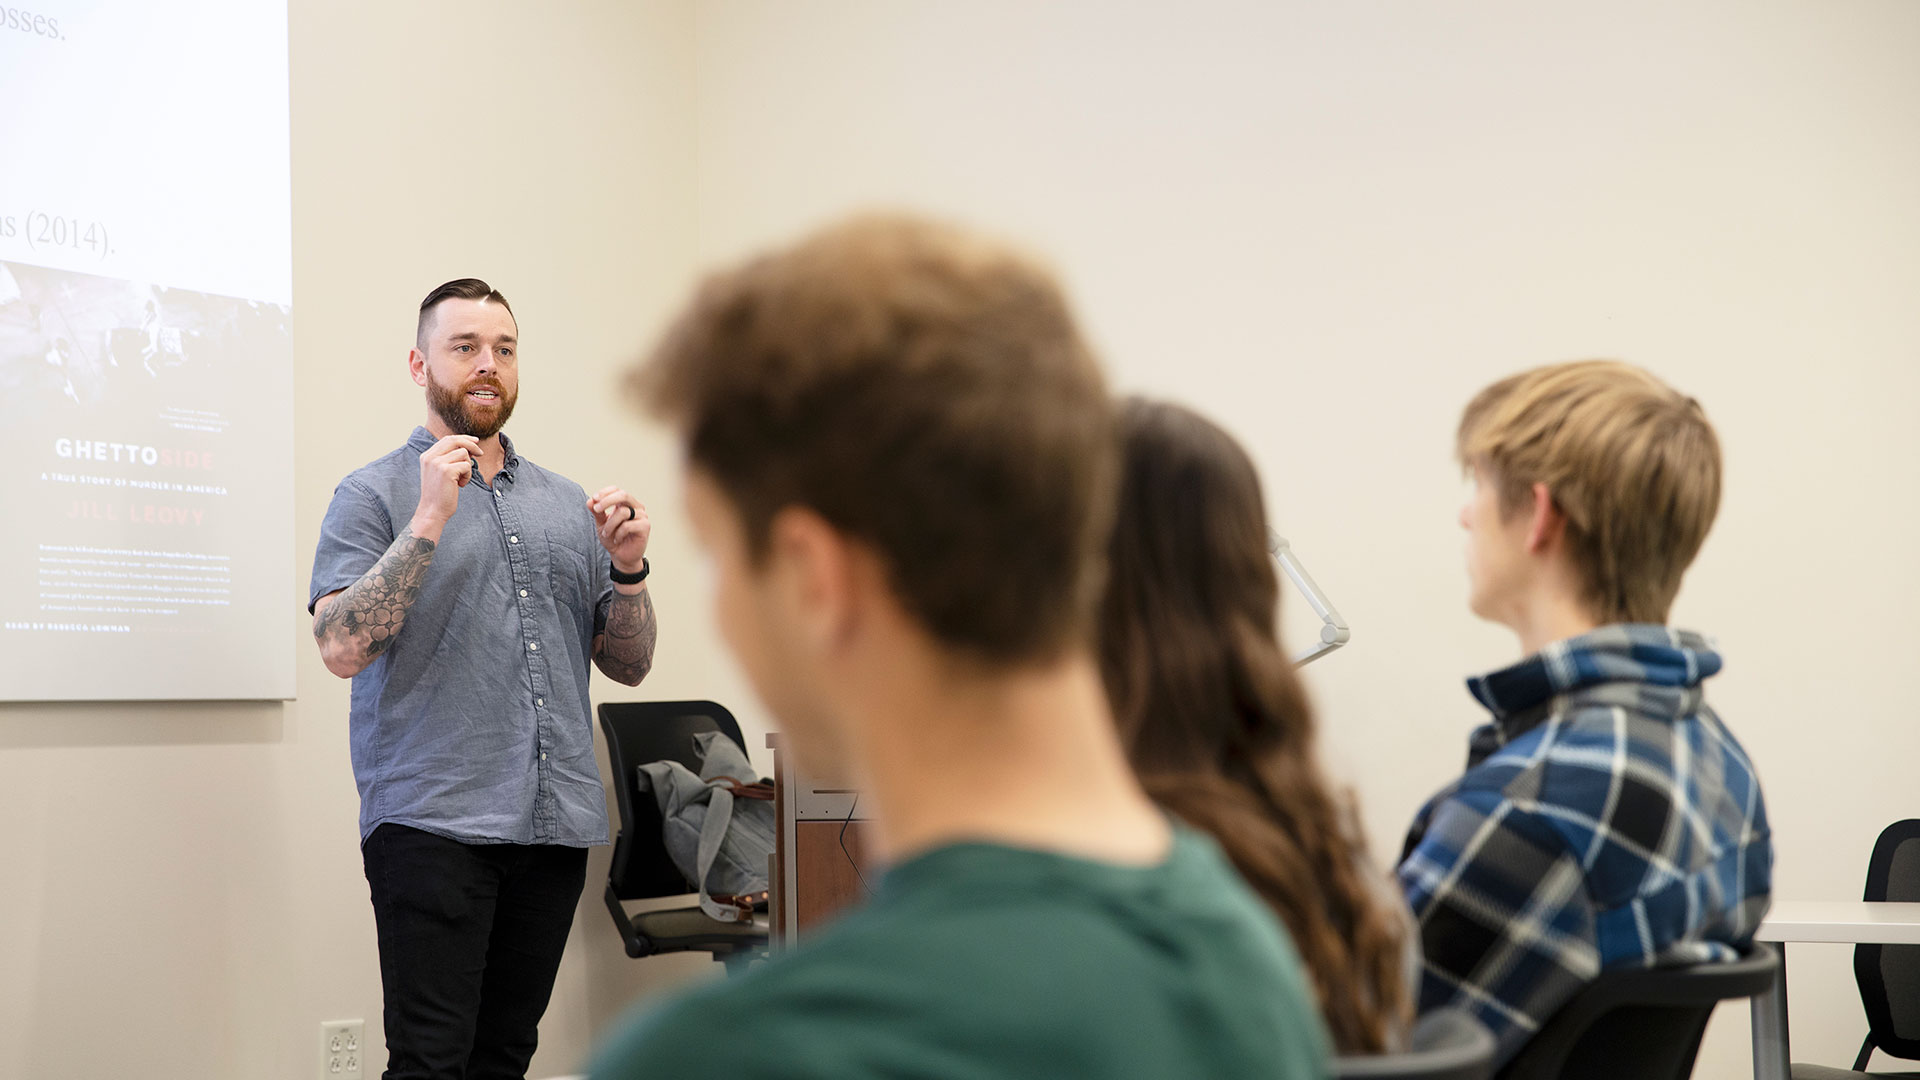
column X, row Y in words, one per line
column 1841, row 922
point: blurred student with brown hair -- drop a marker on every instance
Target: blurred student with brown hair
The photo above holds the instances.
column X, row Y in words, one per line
column 1218, row 726
column 900, row 458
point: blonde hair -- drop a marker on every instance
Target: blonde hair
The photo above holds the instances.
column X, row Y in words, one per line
column 1632, row 463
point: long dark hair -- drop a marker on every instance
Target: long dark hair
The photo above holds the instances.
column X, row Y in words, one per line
column 1216, row 722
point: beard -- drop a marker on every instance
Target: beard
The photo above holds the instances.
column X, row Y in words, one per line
column 466, row 416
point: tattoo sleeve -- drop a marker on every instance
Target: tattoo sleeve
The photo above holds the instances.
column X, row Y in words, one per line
column 363, row 621
column 626, row 650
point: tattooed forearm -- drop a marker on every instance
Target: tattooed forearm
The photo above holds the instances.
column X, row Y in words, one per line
column 364, row 619
column 626, row 650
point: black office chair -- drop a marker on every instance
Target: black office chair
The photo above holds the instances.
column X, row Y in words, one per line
column 1643, row 1023
column 1445, row 1045
column 639, row 732
column 1888, row 975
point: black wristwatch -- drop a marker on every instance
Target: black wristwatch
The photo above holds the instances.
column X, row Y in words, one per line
column 620, row 578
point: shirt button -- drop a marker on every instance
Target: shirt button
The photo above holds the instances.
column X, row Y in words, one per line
column 513, row 539
column 543, row 755
column 540, row 701
column 523, row 592
column 535, row 646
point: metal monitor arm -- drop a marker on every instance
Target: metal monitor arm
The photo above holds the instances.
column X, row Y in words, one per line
column 1333, row 630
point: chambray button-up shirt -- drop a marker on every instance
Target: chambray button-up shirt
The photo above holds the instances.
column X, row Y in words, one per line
column 475, row 724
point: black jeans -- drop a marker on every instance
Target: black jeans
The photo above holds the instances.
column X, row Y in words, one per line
column 470, row 942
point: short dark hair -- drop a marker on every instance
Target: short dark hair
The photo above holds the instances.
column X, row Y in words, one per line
column 466, row 288
column 928, row 393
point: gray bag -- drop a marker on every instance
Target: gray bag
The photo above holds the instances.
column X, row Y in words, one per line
column 717, row 825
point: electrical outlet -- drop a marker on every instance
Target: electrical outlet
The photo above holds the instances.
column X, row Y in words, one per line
column 341, row 1054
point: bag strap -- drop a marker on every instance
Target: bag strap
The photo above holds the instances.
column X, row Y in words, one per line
column 759, row 789
column 713, row 829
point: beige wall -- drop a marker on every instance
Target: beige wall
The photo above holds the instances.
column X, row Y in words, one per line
column 1324, row 224
column 1328, row 224
column 183, row 897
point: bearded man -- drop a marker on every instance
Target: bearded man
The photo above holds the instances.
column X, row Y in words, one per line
column 464, row 590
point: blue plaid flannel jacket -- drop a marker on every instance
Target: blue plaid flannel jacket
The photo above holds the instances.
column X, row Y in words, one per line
column 1606, row 819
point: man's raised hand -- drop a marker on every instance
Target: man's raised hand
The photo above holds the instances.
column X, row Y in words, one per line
column 624, row 527
column 445, row 468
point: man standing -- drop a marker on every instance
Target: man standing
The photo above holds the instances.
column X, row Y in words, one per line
column 902, row 459
column 1607, row 818
column 464, row 590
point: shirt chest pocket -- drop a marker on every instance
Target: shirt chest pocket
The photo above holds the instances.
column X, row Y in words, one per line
column 570, row 573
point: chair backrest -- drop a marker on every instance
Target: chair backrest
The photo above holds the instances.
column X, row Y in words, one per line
column 1889, row 975
column 639, row 732
column 1446, row 1045
column 1643, row 1023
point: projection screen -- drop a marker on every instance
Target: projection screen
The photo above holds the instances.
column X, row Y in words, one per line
column 145, row 351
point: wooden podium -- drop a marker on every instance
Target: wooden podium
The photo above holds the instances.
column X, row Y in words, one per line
column 822, row 855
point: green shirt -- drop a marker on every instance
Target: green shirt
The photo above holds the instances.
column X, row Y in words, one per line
column 982, row 962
